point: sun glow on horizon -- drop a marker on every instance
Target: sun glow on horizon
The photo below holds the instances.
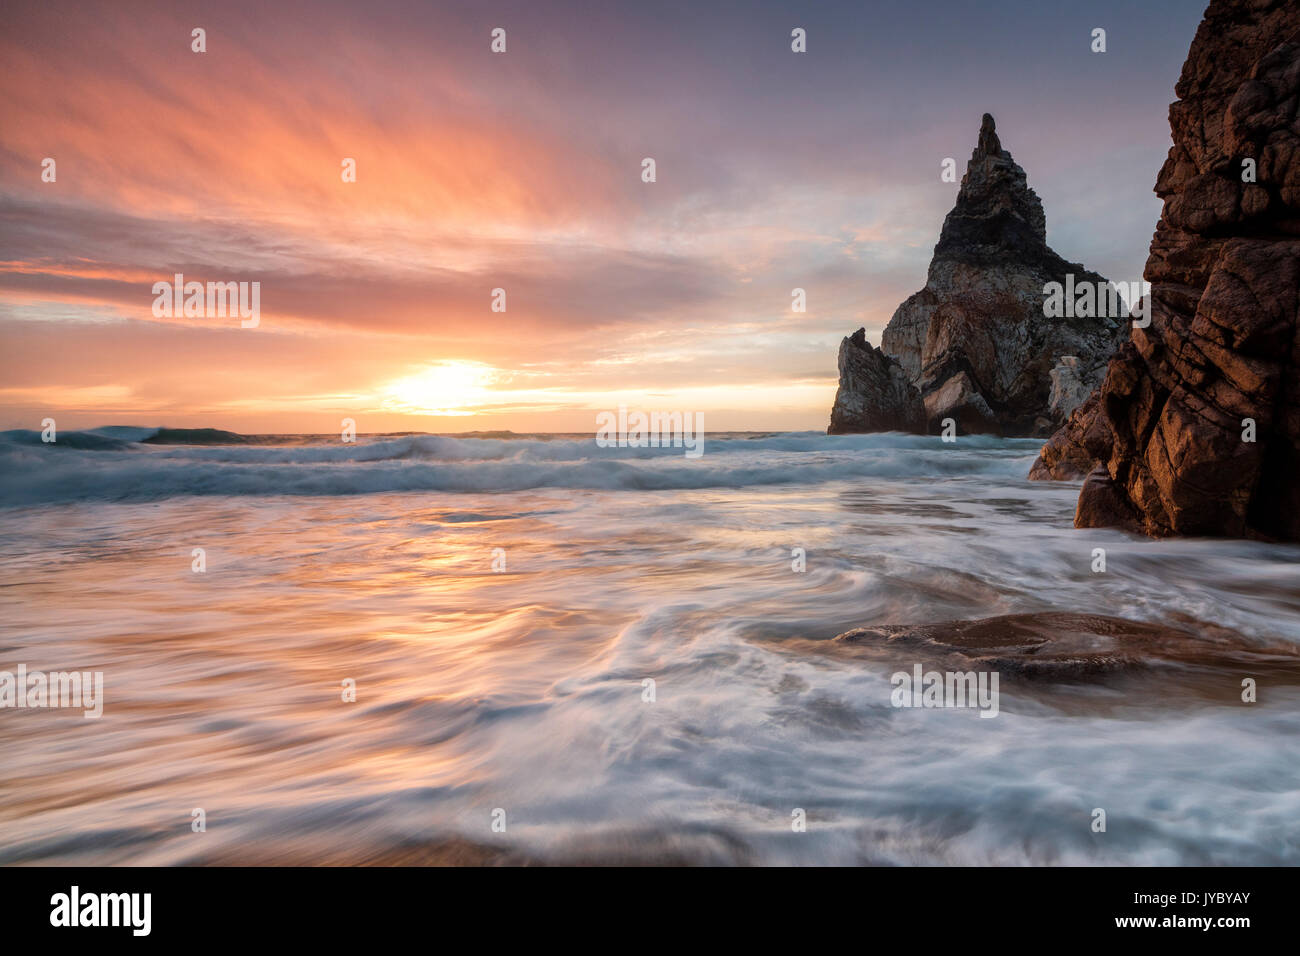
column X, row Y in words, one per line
column 445, row 388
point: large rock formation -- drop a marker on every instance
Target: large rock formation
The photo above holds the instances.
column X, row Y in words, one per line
column 1196, row 429
column 875, row 394
column 976, row 340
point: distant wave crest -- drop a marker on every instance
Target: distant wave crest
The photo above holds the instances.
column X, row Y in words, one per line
column 131, row 464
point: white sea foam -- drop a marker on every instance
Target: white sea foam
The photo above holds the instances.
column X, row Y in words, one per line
column 524, row 689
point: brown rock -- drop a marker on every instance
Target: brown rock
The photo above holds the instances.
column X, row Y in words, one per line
column 1103, row 505
column 1169, row 427
column 1064, row 459
column 1067, row 645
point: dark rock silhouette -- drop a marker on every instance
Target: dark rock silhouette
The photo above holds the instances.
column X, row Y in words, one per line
column 975, row 341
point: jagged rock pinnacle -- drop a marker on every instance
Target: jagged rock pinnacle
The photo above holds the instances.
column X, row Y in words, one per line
column 975, row 341
column 989, row 144
column 996, row 214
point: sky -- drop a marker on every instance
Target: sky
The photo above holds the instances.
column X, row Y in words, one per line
column 522, row 171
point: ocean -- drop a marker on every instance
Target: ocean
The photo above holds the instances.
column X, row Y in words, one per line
column 562, row 653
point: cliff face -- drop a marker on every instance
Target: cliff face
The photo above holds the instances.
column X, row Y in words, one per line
column 975, row 340
column 1196, row 428
column 875, row 394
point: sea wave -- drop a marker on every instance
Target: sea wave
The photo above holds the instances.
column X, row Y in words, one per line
column 503, row 646
column 119, row 465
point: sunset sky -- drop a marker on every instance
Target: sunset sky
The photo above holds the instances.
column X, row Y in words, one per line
column 522, row 171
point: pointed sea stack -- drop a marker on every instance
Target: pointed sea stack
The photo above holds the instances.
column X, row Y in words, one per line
column 975, row 341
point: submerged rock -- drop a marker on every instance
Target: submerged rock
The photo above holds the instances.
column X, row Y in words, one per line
column 1069, row 645
column 1196, row 428
column 975, row 340
column 875, row 394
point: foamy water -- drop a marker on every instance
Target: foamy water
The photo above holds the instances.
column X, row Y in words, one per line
column 523, row 690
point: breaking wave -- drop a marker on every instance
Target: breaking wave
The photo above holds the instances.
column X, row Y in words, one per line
column 127, row 464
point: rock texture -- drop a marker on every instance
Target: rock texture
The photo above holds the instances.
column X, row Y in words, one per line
column 975, row 340
column 1165, row 440
column 1066, row 455
column 875, row 394
column 1068, row 645
column 1071, row 386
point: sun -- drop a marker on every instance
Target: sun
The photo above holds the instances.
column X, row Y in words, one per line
column 446, row 388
